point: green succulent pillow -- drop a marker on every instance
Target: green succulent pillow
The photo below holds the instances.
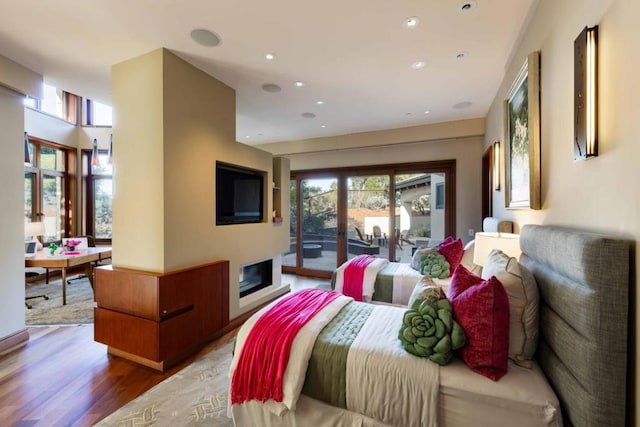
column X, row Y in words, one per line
column 419, row 255
column 428, row 330
column 435, row 265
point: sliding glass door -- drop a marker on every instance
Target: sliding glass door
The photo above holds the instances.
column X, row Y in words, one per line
column 384, row 211
column 368, row 215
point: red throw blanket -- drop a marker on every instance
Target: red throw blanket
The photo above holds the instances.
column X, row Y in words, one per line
column 265, row 354
column 354, row 275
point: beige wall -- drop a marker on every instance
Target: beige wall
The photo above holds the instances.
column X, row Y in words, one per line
column 12, row 202
column 467, row 151
column 598, row 194
column 19, row 78
column 173, row 123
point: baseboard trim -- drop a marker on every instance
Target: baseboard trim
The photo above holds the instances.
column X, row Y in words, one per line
column 14, row 341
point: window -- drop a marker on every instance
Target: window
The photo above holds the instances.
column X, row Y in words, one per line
column 47, row 188
column 99, row 193
column 56, row 102
column 97, row 114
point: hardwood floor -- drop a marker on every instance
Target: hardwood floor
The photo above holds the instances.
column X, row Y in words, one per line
column 61, row 377
column 64, row 378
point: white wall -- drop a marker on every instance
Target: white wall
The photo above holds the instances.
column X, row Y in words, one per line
column 12, row 223
column 599, row 194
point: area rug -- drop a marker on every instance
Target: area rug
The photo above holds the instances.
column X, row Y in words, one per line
column 78, row 310
column 196, row 395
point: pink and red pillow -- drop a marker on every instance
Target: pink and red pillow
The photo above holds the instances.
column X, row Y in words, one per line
column 452, row 250
column 481, row 308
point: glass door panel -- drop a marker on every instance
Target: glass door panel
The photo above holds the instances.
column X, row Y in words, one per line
column 368, row 216
column 102, row 191
column 29, row 196
column 52, row 207
column 289, row 258
column 319, row 224
column 420, row 208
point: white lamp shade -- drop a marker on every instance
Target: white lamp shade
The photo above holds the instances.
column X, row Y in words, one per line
column 485, row 242
column 32, row 229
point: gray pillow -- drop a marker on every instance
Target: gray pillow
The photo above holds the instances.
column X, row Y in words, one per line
column 522, row 291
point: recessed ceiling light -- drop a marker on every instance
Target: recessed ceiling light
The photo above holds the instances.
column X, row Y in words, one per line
column 462, row 55
column 411, row 22
column 418, row 65
column 247, row 136
column 466, row 6
column 308, row 115
column 319, row 102
column 271, row 87
column 427, row 112
column 461, row 105
column 299, row 84
column 323, row 126
column 270, row 56
column 205, row 37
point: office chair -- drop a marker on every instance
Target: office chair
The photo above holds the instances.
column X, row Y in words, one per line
column 32, row 274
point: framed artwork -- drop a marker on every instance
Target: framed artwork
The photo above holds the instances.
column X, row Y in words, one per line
column 522, row 138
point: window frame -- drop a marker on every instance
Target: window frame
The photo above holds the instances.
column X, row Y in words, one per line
column 70, row 107
column 68, row 177
column 88, row 119
column 88, row 185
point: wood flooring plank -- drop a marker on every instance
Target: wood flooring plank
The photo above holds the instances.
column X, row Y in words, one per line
column 63, row 377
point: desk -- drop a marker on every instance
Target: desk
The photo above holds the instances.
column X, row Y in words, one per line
column 44, row 259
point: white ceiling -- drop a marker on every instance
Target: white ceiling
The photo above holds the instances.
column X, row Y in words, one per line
column 355, row 55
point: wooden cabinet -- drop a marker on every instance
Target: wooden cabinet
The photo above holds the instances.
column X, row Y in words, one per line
column 156, row 319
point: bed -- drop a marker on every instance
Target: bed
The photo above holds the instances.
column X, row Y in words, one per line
column 578, row 378
column 394, row 282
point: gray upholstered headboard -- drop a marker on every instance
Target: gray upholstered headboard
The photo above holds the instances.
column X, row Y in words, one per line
column 584, row 286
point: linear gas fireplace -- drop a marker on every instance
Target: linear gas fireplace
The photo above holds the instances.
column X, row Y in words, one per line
column 255, row 277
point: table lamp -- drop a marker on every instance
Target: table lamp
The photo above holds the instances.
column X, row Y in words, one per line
column 33, row 230
column 485, row 242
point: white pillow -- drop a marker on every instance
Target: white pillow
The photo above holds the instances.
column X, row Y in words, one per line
column 421, row 288
column 467, row 259
column 522, row 291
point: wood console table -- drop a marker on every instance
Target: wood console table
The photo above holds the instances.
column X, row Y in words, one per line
column 44, row 259
column 156, row 319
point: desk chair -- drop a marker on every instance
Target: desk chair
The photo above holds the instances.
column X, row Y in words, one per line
column 32, row 274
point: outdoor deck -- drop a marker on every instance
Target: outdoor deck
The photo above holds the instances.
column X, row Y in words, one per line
column 327, row 258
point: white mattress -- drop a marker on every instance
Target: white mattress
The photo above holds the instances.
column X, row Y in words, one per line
column 521, row 398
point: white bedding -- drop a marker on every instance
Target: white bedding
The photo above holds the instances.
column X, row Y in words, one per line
column 388, row 384
column 370, row 273
column 298, row 357
column 385, row 382
column 404, row 281
column 375, row 357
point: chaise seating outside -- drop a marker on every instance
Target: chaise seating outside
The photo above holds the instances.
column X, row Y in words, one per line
column 354, row 246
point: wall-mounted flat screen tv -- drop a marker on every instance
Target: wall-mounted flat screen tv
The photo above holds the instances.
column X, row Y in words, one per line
column 239, row 194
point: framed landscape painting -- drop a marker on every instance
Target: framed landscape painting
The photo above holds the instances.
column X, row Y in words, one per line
column 522, row 137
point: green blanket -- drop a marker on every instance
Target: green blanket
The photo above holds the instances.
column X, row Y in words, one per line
column 326, row 374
